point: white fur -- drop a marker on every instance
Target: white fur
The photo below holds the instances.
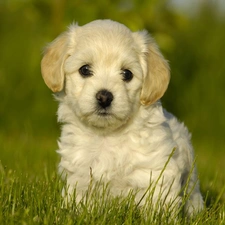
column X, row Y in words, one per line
column 130, row 146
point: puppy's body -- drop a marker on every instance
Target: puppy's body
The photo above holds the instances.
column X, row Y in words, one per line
column 129, row 158
column 108, row 81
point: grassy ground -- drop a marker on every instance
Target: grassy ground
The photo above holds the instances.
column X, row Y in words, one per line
column 38, row 201
column 30, row 191
column 26, row 200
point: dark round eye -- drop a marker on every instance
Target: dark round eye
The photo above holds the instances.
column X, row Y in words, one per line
column 127, row 75
column 85, row 71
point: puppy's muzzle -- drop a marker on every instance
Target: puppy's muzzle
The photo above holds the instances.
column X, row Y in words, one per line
column 104, row 98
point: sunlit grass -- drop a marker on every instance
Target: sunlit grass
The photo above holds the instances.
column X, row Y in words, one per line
column 26, row 200
column 30, row 193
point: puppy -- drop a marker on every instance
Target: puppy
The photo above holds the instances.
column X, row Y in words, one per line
column 108, row 81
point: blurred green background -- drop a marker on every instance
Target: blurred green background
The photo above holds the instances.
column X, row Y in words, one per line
column 191, row 36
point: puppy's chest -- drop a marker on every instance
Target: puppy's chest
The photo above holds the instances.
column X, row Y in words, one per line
column 106, row 153
column 109, row 156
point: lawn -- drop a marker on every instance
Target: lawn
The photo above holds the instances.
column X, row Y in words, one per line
column 30, row 191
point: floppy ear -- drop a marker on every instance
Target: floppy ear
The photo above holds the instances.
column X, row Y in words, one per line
column 52, row 63
column 156, row 70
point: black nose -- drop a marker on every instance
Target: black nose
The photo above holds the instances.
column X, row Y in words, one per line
column 104, row 98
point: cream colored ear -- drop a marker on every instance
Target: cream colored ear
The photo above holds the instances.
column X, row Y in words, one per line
column 156, row 71
column 52, row 63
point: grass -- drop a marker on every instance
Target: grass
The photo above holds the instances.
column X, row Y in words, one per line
column 30, row 193
column 26, row 200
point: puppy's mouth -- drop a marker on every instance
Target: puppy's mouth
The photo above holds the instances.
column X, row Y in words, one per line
column 103, row 113
column 104, row 118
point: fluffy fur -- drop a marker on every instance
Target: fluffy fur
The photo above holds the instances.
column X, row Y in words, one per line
column 124, row 137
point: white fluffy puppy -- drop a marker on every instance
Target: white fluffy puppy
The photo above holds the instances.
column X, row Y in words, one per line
column 108, row 81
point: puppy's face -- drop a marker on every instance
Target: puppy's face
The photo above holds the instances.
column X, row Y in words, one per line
column 105, row 72
column 103, row 77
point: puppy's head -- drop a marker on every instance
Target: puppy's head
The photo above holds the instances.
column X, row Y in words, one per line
column 106, row 71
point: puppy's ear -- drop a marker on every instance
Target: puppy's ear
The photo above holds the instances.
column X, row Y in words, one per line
column 155, row 67
column 53, row 61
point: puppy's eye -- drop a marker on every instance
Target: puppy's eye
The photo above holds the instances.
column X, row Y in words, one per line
column 85, row 71
column 127, row 75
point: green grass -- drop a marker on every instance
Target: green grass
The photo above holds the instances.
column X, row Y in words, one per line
column 30, row 193
column 26, row 200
